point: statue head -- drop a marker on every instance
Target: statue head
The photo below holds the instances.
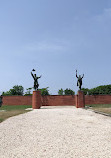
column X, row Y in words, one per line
column 34, row 75
column 79, row 76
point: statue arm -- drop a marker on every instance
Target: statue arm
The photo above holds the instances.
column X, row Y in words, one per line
column 39, row 77
column 32, row 74
column 76, row 74
column 83, row 76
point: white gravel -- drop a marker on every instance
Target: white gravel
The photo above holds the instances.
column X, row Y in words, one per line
column 58, row 132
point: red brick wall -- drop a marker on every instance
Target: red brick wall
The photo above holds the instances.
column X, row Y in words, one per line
column 17, row 100
column 51, row 100
column 56, row 100
column 97, row 99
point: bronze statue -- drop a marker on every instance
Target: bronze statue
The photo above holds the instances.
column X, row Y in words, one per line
column 79, row 81
column 36, row 85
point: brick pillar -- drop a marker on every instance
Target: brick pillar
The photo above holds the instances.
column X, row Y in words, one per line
column 36, row 100
column 80, row 100
column 1, row 101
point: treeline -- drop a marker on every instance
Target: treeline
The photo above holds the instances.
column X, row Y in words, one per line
column 19, row 90
column 66, row 92
column 100, row 90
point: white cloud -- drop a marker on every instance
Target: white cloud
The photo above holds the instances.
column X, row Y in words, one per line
column 107, row 12
column 47, row 46
column 106, row 15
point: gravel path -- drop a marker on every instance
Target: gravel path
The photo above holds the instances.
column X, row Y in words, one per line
column 56, row 133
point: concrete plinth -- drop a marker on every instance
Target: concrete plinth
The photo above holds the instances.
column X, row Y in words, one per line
column 80, row 100
column 36, row 100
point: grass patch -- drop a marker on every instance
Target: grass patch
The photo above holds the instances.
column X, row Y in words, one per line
column 12, row 111
column 15, row 107
column 105, row 108
column 100, row 106
column 1, row 119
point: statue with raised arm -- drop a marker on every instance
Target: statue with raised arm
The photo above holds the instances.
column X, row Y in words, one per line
column 79, row 81
column 36, row 85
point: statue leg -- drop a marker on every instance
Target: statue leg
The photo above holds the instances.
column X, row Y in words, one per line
column 35, row 87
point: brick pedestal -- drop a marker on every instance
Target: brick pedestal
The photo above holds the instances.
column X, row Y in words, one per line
column 36, row 100
column 80, row 100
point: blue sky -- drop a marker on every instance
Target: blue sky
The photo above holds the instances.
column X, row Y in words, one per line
column 55, row 37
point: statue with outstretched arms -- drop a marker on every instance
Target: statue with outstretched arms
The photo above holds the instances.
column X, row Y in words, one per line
column 36, row 85
column 79, row 81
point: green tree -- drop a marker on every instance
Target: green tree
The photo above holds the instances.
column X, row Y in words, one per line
column 69, row 92
column 100, row 90
column 16, row 90
column 60, row 92
column 28, row 92
column 104, row 89
column 44, row 91
column 85, row 90
column 6, row 93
